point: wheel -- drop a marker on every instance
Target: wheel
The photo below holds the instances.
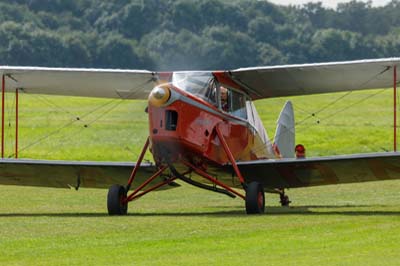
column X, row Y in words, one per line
column 285, row 201
column 115, row 200
column 255, row 198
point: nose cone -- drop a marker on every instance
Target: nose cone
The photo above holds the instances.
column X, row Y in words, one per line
column 158, row 93
column 159, row 96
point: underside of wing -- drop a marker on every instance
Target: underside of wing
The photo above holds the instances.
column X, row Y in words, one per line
column 105, row 83
column 288, row 80
column 64, row 174
column 291, row 173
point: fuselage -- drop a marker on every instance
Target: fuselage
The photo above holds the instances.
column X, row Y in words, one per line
column 183, row 124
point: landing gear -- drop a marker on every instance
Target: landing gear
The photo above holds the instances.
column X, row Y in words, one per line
column 116, row 200
column 255, row 198
column 284, row 199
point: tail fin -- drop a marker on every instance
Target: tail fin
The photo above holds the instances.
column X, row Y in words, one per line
column 285, row 132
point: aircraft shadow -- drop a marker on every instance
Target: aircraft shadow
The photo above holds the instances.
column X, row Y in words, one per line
column 351, row 210
column 320, row 210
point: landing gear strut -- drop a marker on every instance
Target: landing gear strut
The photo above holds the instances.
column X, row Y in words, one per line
column 118, row 197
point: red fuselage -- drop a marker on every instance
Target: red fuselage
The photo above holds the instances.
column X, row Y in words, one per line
column 185, row 129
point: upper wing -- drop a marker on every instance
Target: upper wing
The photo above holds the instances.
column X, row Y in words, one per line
column 107, row 83
column 277, row 81
column 262, row 82
column 290, row 173
column 64, row 174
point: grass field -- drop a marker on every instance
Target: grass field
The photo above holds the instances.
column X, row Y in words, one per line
column 354, row 224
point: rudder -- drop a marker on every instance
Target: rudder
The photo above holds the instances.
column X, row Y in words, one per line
column 285, row 132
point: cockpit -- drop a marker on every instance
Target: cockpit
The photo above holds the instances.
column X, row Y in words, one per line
column 229, row 100
column 199, row 84
column 205, row 86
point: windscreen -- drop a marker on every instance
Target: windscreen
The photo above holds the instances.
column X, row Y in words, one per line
column 200, row 84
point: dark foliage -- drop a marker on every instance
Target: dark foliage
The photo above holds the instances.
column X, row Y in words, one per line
column 186, row 34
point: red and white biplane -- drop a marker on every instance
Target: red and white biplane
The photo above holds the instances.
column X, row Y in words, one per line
column 205, row 130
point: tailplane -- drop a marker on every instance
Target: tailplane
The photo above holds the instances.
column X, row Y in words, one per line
column 285, row 132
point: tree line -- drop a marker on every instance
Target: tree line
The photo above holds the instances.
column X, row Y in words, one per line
column 187, row 34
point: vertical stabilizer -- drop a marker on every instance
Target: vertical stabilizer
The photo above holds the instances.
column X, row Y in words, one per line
column 285, row 132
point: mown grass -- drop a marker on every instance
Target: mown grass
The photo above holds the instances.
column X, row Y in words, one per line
column 354, row 224
column 342, row 225
column 115, row 130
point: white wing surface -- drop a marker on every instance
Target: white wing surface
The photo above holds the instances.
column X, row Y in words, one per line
column 105, row 83
column 262, row 82
column 288, row 80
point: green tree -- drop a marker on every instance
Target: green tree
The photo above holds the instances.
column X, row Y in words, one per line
column 334, row 45
column 183, row 34
column 269, row 55
column 114, row 51
column 263, row 29
column 227, row 49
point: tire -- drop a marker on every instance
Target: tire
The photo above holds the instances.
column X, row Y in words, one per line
column 285, row 201
column 115, row 205
column 255, row 198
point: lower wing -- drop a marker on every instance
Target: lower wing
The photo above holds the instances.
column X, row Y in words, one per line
column 282, row 173
column 64, row 174
column 291, row 173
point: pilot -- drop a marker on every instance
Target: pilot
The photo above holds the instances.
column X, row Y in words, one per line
column 224, row 98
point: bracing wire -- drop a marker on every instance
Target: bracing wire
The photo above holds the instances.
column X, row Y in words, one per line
column 307, row 125
column 353, row 104
column 57, row 130
column 329, row 116
column 298, row 108
column 80, row 129
column 342, row 97
column 114, row 105
column 50, row 103
column 313, row 114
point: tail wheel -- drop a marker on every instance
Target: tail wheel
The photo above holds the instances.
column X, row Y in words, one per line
column 116, row 203
column 284, row 200
column 255, row 198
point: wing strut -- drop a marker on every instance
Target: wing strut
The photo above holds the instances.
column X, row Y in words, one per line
column 394, row 108
column 16, row 123
column 3, row 88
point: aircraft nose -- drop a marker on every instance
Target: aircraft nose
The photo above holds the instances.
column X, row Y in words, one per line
column 159, row 95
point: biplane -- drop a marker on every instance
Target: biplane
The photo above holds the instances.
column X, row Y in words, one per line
column 205, row 131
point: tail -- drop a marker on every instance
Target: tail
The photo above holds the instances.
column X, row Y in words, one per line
column 285, row 132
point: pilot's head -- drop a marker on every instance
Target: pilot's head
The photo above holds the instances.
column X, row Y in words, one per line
column 224, row 93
